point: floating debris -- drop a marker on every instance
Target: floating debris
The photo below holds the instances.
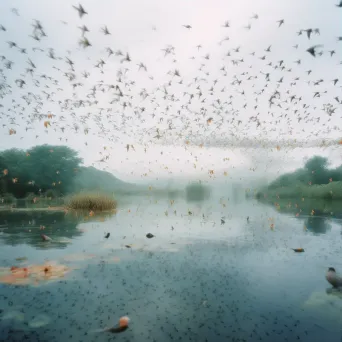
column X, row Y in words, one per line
column 121, row 327
column 298, row 250
column 33, row 275
column 21, row 259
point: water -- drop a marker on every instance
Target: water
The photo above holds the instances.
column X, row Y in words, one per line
column 196, row 280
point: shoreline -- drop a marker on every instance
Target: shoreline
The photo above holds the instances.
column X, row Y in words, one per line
column 32, row 209
column 64, row 209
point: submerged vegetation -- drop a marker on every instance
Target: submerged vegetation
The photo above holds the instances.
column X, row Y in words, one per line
column 314, row 180
column 91, row 201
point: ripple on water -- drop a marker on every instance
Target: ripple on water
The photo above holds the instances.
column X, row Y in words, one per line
column 39, row 321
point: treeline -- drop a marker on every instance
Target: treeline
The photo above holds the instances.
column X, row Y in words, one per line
column 52, row 171
column 314, row 180
column 316, row 171
column 56, row 171
column 38, row 170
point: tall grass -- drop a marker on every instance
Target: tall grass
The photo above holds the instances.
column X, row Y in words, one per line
column 91, row 201
column 330, row 191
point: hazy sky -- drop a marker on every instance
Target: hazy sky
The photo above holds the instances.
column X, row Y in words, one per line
column 229, row 99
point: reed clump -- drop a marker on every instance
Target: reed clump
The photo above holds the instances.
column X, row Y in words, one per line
column 91, row 201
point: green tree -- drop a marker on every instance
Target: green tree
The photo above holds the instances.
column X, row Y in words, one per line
column 315, row 171
column 15, row 180
column 53, row 167
column 37, row 170
column 318, row 167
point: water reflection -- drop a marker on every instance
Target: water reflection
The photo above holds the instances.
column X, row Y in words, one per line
column 26, row 228
column 197, row 192
column 316, row 214
column 334, row 292
column 318, row 224
column 237, row 276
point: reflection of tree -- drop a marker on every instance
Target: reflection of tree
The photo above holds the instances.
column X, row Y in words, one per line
column 317, row 224
column 319, row 206
column 24, row 228
column 196, row 192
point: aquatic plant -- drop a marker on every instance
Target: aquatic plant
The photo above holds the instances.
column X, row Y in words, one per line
column 91, row 201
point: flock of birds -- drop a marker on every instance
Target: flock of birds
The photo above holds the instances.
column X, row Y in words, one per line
column 222, row 105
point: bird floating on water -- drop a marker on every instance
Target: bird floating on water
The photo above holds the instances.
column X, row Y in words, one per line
column 333, row 278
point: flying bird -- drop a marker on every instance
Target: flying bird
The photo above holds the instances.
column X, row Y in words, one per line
column 281, row 22
column 312, row 50
column 80, row 10
column 105, row 30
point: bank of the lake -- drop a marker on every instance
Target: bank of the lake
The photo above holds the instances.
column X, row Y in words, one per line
column 332, row 190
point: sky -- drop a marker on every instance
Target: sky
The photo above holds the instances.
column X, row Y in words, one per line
column 236, row 92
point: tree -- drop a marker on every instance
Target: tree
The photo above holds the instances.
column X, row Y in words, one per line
column 52, row 171
column 315, row 171
column 318, row 167
column 37, row 170
column 53, row 167
column 13, row 167
column 317, row 163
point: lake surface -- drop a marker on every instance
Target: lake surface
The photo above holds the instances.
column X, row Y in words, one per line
column 198, row 279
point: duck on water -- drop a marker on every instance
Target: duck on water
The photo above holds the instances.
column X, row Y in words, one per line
column 333, row 278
